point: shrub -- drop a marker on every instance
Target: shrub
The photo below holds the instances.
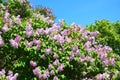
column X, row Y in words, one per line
column 37, row 48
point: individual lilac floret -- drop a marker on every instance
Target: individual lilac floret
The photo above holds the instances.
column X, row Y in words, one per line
column 112, row 61
column 56, row 62
column 40, row 32
column 55, row 56
column 105, row 62
column 12, row 77
column 55, row 78
column 15, row 42
column 5, row 28
column 10, row 73
column 102, row 56
column 48, row 51
column 94, row 33
column 37, row 43
column 29, row 44
column 33, row 64
column 36, row 72
column 60, row 67
column 29, row 31
column 103, row 76
column 2, row 72
column 1, row 41
column 50, row 66
column 52, row 72
column 46, row 74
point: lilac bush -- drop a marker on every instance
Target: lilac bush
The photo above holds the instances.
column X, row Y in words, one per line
column 36, row 48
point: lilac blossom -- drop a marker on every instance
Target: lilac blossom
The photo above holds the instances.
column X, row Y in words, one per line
column 18, row 20
column 61, row 22
column 13, row 43
column 29, row 31
column 10, row 22
column 94, row 33
column 84, row 73
column 2, row 72
column 37, row 43
column 69, row 40
column 43, row 56
column 48, row 51
column 33, row 64
column 60, row 67
column 112, row 61
column 74, row 48
column 29, row 44
column 50, row 66
column 52, row 72
column 1, row 41
column 40, row 32
column 71, row 56
column 17, row 38
column 102, row 56
column 88, row 58
column 56, row 62
column 55, row 78
column 10, row 73
column 12, row 77
column 55, row 56
column 5, row 28
column 105, row 62
column 36, row 72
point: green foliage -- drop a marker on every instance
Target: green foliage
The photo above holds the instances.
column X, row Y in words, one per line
column 36, row 48
column 109, row 33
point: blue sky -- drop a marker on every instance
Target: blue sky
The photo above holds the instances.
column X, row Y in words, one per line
column 82, row 12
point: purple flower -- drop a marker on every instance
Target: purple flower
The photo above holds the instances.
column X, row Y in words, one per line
column 105, row 62
column 55, row 78
column 94, row 33
column 29, row 44
column 1, row 42
column 2, row 72
column 17, row 39
column 50, row 66
column 56, row 62
column 43, row 56
column 112, row 61
column 36, row 72
column 107, row 48
column 10, row 73
column 36, row 42
column 33, row 64
column 49, row 50
column 15, row 76
column 47, row 31
column 39, row 32
column 5, row 28
column 100, row 77
column 13, row 43
column 29, row 31
column 102, row 56
column 52, row 72
column 71, row 56
column 84, row 73
column 55, row 56
column 88, row 58
column 60, row 67
column 44, row 76
column 74, row 48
